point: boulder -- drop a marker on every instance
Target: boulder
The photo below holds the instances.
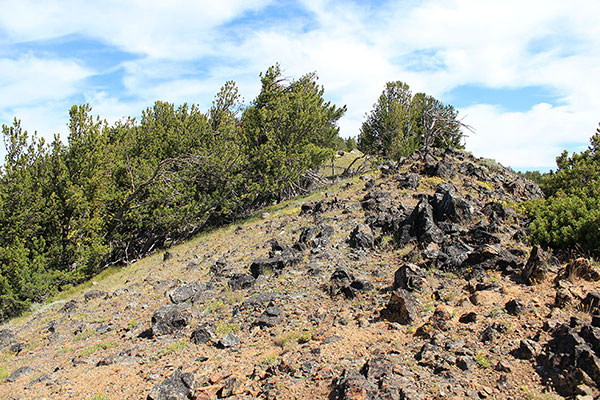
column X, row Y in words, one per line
column 270, row 317
column 20, row 372
column 361, row 238
column 447, row 205
column 536, row 268
column 316, row 236
column 95, row 294
column 184, row 293
column 241, row 281
column 409, row 181
column 170, row 318
column 409, row 277
column 229, row 340
column 401, row 308
column 204, row 333
column 423, row 225
column 178, row 386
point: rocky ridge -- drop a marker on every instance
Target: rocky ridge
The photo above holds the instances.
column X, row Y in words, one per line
column 412, row 282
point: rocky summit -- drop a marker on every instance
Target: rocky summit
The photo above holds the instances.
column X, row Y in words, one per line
column 413, row 281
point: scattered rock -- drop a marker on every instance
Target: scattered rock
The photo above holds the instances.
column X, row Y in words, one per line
column 468, row 318
column 514, row 307
column 94, row 294
column 204, row 333
column 229, row 340
column 401, row 308
column 409, row 277
column 184, row 293
column 170, row 318
column 361, row 238
column 271, row 317
column 536, row 268
column 167, row 256
column 20, row 372
column 178, row 386
column 528, row 349
column 241, row 281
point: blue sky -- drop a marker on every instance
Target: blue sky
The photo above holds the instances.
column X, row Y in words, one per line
column 525, row 75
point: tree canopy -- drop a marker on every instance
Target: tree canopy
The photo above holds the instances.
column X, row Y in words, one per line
column 401, row 123
column 569, row 218
column 115, row 192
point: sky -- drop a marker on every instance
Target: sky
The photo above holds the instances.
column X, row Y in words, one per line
column 524, row 74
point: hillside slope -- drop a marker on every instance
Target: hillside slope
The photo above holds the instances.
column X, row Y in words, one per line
column 413, row 282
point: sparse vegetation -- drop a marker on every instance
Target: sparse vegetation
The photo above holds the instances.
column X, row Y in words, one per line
column 96, row 347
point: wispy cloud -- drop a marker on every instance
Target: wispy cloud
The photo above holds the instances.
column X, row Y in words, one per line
column 185, row 50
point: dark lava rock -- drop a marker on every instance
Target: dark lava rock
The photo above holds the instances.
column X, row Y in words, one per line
column 409, row 181
column 203, row 333
column 262, row 266
column 178, row 386
column 94, row 294
column 528, row 349
column 229, row 340
column 409, row 277
column 536, row 268
column 401, row 308
column 6, row 337
column 448, row 205
column 184, row 292
column 167, row 256
column 493, row 331
column 241, row 281
column 344, row 282
column 361, row 238
column 316, row 236
column 514, row 307
column 423, row 225
column 170, row 318
column 440, row 169
column 69, row 307
column 271, row 317
column 468, row 318
column 23, row 371
column 379, row 379
column 571, row 358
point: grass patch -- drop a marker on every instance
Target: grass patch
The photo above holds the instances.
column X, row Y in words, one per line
column 269, row 360
column 223, row 328
column 84, row 335
column 98, row 346
column 3, row 373
column 486, row 185
column 175, row 347
column 70, row 292
column 100, row 397
column 482, row 361
column 213, row 305
column 132, row 324
column 293, row 338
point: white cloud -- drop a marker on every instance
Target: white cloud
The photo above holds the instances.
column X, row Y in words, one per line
column 30, row 80
column 354, row 47
column 181, row 29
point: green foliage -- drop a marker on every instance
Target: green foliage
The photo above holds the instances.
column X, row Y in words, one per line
column 96, row 347
column 569, row 218
column 288, row 129
column 534, row 176
column 483, row 361
column 401, row 123
column 114, row 193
